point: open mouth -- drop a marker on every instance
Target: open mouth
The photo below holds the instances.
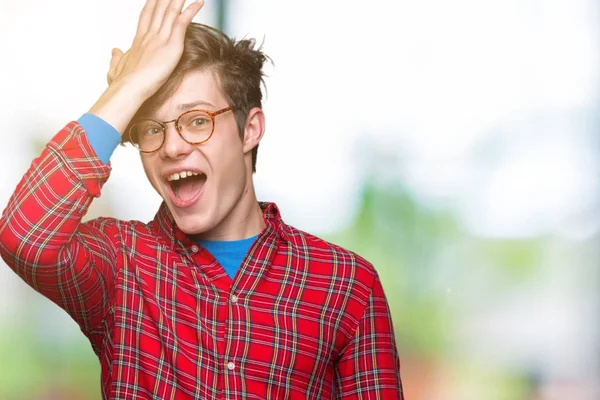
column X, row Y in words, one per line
column 186, row 185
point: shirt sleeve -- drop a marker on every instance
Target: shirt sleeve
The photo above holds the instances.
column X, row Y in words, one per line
column 103, row 137
column 369, row 366
column 43, row 239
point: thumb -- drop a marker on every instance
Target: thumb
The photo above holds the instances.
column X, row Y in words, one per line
column 116, row 57
column 117, row 54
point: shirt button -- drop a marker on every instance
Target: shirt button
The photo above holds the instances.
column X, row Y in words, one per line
column 234, row 299
column 195, row 248
column 230, row 366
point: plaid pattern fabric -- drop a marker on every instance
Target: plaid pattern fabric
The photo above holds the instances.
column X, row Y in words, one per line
column 303, row 319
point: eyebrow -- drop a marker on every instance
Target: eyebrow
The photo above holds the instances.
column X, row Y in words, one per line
column 189, row 106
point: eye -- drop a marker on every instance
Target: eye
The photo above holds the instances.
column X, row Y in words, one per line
column 199, row 122
column 151, row 131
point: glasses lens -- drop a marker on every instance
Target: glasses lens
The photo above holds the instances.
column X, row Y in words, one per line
column 196, row 126
column 147, row 135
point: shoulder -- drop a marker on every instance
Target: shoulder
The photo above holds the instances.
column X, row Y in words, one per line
column 329, row 257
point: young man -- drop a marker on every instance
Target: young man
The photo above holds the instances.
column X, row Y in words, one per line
column 216, row 298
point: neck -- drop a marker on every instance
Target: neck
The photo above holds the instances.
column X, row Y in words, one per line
column 245, row 220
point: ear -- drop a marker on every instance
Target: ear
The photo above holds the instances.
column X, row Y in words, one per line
column 254, row 129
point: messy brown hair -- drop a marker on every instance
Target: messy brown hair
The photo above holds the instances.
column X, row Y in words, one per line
column 237, row 65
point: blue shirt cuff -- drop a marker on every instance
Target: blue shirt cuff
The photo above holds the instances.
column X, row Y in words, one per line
column 103, row 137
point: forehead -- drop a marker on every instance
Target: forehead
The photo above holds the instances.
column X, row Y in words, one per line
column 198, row 89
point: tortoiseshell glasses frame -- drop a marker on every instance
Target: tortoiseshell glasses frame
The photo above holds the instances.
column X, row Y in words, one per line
column 162, row 126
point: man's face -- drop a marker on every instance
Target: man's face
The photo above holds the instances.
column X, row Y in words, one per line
column 200, row 202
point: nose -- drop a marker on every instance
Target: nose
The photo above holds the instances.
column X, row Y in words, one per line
column 174, row 146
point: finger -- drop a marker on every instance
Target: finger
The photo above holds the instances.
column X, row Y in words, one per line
column 173, row 11
column 186, row 17
column 159, row 14
column 145, row 17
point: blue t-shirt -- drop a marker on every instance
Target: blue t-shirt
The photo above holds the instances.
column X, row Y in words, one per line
column 229, row 254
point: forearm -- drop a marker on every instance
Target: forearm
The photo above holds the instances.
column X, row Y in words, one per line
column 119, row 103
column 39, row 227
column 51, row 198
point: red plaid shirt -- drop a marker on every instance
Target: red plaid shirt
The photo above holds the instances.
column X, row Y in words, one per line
column 303, row 319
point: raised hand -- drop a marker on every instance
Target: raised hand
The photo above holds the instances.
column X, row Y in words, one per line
column 137, row 74
column 157, row 45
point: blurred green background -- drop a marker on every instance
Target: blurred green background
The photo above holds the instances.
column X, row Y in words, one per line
column 453, row 145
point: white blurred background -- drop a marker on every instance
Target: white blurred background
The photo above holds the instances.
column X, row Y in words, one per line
column 454, row 144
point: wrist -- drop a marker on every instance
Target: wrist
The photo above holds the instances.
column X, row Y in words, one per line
column 118, row 104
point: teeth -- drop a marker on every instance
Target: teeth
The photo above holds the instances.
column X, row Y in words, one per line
column 180, row 175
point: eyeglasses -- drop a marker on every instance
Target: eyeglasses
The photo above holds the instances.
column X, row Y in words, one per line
column 194, row 126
